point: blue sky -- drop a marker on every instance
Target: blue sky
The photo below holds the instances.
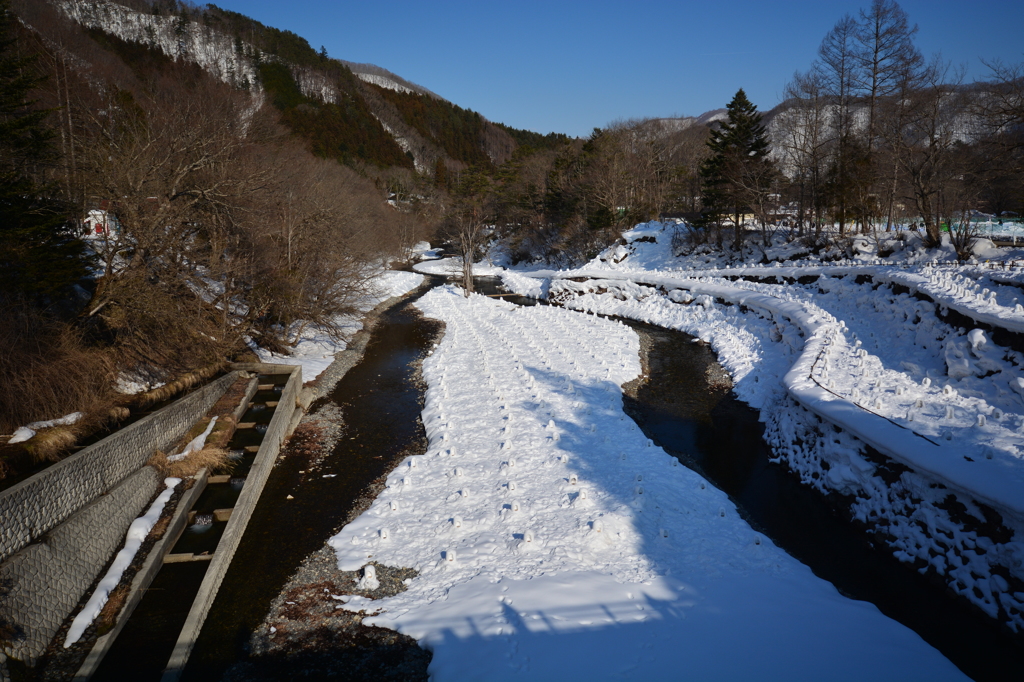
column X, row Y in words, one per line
column 571, row 66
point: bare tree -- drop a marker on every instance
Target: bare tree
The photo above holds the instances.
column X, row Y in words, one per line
column 802, row 141
column 467, row 220
column 924, row 135
column 886, row 51
column 838, row 62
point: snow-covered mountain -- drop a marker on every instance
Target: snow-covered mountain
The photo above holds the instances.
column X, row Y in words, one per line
column 371, row 73
column 214, row 51
column 231, row 47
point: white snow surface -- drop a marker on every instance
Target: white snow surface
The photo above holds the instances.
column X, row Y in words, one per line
column 196, row 444
column 384, row 82
column 136, row 535
column 66, row 420
column 452, row 267
column 553, row 540
column 22, row 434
column 315, row 350
column 27, row 432
column 862, row 345
column 879, row 364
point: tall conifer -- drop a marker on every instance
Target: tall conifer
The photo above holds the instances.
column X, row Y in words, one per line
column 38, row 259
column 738, row 146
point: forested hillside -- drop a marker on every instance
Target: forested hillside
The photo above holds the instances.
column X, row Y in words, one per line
column 156, row 219
column 247, row 183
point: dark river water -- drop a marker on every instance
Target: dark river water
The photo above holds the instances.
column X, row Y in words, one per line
column 381, row 403
column 704, row 426
column 712, row 432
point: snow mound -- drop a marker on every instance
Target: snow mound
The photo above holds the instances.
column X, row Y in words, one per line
column 554, row 540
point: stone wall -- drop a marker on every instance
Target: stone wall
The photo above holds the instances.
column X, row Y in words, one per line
column 41, row 584
column 38, row 504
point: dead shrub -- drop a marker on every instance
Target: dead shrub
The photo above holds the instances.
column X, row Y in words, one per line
column 48, row 371
column 47, row 445
column 213, row 459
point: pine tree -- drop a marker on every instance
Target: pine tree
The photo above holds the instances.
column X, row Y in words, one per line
column 738, row 166
column 38, row 258
column 440, row 173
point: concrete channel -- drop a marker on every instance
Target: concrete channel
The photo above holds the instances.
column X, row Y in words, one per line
column 287, row 411
column 74, row 498
column 281, row 425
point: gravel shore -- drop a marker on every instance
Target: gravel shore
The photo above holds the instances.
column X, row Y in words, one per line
column 304, row 634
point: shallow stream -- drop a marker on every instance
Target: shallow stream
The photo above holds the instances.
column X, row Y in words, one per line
column 380, row 400
column 700, row 423
column 684, row 410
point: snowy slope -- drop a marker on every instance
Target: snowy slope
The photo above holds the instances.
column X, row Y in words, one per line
column 210, row 49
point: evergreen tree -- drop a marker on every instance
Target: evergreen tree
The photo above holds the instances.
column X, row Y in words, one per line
column 440, row 173
column 738, row 167
column 39, row 259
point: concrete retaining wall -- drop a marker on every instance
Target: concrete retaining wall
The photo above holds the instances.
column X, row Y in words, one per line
column 143, row 579
column 34, row 506
column 41, row 584
column 59, row 528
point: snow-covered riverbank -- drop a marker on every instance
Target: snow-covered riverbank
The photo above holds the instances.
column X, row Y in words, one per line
column 553, row 540
column 866, row 348
column 315, row 349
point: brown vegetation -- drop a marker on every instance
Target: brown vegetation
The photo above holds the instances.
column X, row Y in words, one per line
column 212, row 459
column 179, row 385
column 47, row 371
column 227, row 227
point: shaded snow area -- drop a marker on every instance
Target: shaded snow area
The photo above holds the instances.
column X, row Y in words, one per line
column 553, row 540
column 314, row 350
column 137, row 533
column 866, row 388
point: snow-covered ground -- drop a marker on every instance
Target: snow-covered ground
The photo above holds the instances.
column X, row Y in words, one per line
column 315, row 349
column 553, row 540
column 868, row 347
column 452, row 267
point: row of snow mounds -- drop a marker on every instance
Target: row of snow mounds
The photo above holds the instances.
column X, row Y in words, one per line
column 1000, row 308
column 992, row 476
column 553, row 540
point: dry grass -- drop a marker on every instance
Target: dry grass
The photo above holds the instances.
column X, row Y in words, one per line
column 49, row 444
column 214, row 459
column 47, row 371
column 107, row 618
column 183, row 383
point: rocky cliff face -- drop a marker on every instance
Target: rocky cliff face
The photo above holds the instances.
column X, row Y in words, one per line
column 216, row 52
